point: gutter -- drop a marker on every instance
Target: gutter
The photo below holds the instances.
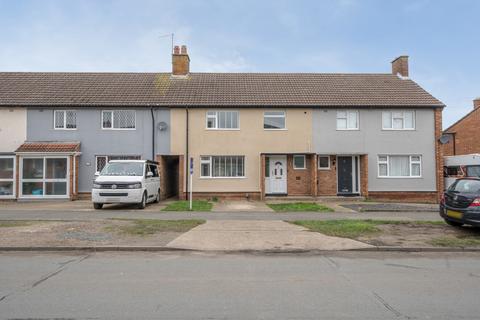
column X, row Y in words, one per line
column 187, row 156
column 153, row 134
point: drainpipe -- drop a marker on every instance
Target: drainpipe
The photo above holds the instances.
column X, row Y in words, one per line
column 153, row 134
column 187, row 159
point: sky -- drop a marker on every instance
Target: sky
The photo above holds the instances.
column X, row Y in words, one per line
column 442, row 38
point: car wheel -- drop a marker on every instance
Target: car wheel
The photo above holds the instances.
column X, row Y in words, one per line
column 143, row 203
column 97, row 206
column 453, row 223
column 157, row 199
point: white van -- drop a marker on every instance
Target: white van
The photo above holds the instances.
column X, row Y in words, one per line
column 455, row 167
column 127, row 181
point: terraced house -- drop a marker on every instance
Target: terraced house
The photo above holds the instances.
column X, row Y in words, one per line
column 250, row 135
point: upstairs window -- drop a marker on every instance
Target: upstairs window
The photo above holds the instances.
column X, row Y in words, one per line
column 118, row 120
column 274, row 120
column 65, row 119
column 347, row 120
column 398, row 120
column 222, row 120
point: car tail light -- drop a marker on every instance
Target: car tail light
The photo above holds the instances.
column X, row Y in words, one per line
column 475, row 203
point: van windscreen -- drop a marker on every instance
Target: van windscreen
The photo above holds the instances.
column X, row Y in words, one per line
column 123, row 169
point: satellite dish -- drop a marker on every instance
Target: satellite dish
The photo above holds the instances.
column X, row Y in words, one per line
column 162, row 126
column 444, row 139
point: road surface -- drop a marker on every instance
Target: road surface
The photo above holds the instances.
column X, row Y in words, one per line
column 213, row 286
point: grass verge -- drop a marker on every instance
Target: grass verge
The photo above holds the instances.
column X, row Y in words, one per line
column 197, row 205
column 299, row 207
column 15, row 223
column 353, row 228
column 462, row 242
column 144, row 227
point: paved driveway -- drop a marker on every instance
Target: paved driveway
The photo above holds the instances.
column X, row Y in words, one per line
column 259, row 235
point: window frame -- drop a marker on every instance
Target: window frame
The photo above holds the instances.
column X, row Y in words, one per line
column 44, row 180
column 392, row 128
column 275, row 116
column 411, row 163
column 13, row 180
column 113, row 121
column 108, row 158
column 216, row 128
column 64, row 111
column 304, row 162
column 209, row 162
column 318, row 160
column 347, row 112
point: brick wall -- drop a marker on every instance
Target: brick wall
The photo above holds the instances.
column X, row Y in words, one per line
column 466, row 136
column 364, row 175
column 254, row 195
column 404, row 196
column 327, row 179
column 439, row 153
column 181, row 178
column 299, row 180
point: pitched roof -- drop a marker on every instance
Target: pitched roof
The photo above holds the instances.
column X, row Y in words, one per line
column 211, row 89
column 49, row 146
column 449, row 129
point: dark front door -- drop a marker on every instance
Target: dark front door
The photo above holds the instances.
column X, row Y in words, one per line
column 344, row 175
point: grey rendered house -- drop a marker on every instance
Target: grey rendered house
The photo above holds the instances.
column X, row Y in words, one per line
column 249, row 135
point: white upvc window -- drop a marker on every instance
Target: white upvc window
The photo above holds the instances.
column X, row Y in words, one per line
column 65, row 119
column 44, row 177
column 223, row 120
column 347, row 120
column 274, row 120
column 101, row 161
column 222, row 166
column 324, row 162
column 118, row 120
column 299, row 162
column 7, row 177
column 399, row 166
column 398, row 120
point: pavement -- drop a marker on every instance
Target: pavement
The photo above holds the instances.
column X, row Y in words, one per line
column 228, row 235
column 353, row 285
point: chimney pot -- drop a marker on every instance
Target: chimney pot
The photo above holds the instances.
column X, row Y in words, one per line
column 400, row 66
column 180, row 61
column 476, row 103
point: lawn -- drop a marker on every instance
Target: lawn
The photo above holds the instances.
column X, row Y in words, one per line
column 197, row 205
column 299, row 207
column 144, row 227
column 15, row 223
column 459, row 241
column 354, row 228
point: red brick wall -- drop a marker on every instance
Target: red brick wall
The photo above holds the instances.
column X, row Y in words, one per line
column 467, row 138
column 404, row 196
column 364, row 175
column 254, row 195
column 327, row 179
column 439, row 153
column 299, row 180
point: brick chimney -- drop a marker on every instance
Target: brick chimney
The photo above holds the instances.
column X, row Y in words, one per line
column 476, row 103
column 180, row 61
column 400, row 66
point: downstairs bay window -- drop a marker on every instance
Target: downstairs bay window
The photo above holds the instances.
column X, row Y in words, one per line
column 222, row 166
column 399, row 166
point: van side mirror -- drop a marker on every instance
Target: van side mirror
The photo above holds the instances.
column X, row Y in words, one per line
column 97, row 173
column 149, row 174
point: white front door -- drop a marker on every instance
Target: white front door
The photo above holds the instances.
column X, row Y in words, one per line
column 277, row 179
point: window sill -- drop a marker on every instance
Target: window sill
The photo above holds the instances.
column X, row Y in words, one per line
column 212, row 129
column 383, row 129
column 64, row 129
column 115, row 129
column 324, row 169
column 299, row 168
column 275, row 129
column 348, row 129
column 412, row 177
column 213, row 178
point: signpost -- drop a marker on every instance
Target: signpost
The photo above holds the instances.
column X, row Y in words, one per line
column 191, row 180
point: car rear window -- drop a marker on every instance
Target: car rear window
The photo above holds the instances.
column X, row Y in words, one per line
column 467, row 186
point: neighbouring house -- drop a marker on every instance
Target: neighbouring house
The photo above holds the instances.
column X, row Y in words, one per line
column 13, row 122
column 250, row 135
column 464, row 135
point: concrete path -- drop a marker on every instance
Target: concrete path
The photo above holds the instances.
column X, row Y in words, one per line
column 259, row 235
column 241, row 206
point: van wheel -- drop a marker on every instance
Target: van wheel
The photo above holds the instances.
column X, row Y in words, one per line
column 157, row 199
column 143, row 203
column 97, row 206
column 453, row 223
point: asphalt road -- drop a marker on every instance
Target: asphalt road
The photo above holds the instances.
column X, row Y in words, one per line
column 207, row 286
